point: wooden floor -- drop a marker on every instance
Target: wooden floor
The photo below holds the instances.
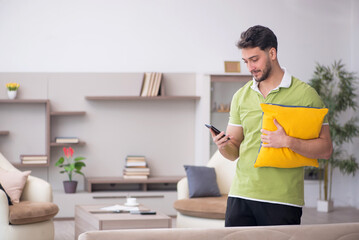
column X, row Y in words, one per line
column 64, row 229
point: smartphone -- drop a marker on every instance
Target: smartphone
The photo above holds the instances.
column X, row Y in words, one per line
column 143, row 212
column 215, row 130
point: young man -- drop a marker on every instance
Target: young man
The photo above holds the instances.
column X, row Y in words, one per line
column 266, row 196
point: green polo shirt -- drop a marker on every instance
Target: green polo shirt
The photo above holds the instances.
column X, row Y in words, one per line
column 275, row 185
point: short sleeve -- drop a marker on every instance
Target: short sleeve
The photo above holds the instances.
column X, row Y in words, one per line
column 234, row 117
column 314, row 100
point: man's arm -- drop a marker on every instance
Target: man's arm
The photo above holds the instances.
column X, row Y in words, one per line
column 229, row 148
column 320, row 147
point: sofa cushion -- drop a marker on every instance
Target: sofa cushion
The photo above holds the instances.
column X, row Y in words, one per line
column 208, row 207
column 202, row 181
column 13, row 182
column 32, row 212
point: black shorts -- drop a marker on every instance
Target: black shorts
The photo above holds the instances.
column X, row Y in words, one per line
column 242, row 212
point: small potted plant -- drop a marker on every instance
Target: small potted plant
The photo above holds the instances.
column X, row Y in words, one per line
column 70, row 167
column 12, row 90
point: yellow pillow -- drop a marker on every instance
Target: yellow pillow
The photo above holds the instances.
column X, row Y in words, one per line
column 298, row 122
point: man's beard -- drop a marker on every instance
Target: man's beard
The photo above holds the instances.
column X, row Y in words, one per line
column 266, row 71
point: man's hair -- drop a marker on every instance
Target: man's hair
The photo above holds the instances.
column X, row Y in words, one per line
column 258, row 36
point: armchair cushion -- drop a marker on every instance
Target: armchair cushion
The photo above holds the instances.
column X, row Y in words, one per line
column 202, row 181
column 209, row 207
column 32, row 212
column 13, row 182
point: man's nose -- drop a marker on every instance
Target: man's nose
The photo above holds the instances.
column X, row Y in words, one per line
column 250, row 67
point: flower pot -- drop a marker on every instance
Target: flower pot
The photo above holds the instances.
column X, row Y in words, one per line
column 70, row 186
column 11, row 94
column 324, row 206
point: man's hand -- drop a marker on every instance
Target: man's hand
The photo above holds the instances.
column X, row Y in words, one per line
column 229, row 145
column 274, row 139
column 320, row 147
column 220, row 140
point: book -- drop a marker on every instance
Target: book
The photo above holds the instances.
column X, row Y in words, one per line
column 145, row 84
column 136, row 164
column 135, row 174
column 66, row 140
column 135, row 158
column 135, row 177
column 33, row 157
column 152, row 80
column 34, row 162
column 137, row 170
column 154, row 83
column 157, row 84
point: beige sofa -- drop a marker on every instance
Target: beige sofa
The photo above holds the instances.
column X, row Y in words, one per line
column 342, row 231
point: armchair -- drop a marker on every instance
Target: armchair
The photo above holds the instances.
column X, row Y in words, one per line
column 36, row 191
column 211, row 210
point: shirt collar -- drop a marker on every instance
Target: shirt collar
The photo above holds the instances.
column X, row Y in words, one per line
column 285, row 83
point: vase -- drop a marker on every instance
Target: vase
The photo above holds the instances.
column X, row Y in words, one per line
column 70, row 186
column 11, row 94
column 324, row 206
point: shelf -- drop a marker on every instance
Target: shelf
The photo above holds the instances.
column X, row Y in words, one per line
column 68, row 113
column 106, row 183
column 4, row 133
column 24, row 101
column 138, row 98
column 54, row 144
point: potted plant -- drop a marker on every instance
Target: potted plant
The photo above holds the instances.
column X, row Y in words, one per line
column 336, row 87
column 70, row 166
column 12, row 90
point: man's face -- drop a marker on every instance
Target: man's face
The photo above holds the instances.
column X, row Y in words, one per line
column 258, row 62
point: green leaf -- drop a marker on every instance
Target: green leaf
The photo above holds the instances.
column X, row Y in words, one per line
column 79, row 165
column 60, row 161
column 79, row 172
column 69, row 168
column 79, row 159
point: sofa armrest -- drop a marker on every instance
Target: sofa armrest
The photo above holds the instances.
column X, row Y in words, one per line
column 37, row 190
column 182, row 189
column 4, row 209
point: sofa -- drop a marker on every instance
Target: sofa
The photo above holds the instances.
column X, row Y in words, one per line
column 338, row 231
column 204, row 212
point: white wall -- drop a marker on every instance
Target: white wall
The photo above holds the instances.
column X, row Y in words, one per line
column 174, row 36
column 355, row 67
column 165, row 35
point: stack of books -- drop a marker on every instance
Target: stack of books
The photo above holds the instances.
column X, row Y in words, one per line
column 33, row 159
column 152, row 85
column 136, row 168
column 67, row 140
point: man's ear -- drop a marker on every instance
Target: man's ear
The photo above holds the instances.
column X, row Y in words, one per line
column 273, row 53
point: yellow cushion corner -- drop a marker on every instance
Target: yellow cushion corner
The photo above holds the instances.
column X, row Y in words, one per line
column 299, row 122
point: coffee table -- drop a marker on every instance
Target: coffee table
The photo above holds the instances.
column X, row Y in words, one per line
column 90, row 217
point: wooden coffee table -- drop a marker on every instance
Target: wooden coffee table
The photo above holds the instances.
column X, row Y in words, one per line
column 90, row 218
